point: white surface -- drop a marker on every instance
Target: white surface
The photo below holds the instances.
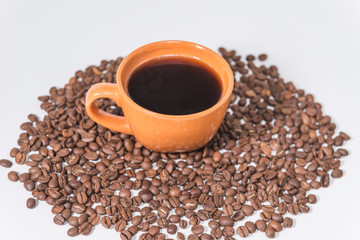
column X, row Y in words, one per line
column 314, row 43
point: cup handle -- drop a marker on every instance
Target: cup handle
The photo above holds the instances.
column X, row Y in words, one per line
column 113, row 122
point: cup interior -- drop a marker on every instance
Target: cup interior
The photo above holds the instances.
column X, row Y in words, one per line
column 187, row 51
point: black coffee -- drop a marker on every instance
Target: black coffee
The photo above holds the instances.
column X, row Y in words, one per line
column 174, row 87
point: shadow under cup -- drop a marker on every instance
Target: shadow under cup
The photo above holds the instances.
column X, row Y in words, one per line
column 170, row 133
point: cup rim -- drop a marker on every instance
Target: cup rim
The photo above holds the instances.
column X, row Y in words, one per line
column 124, row 95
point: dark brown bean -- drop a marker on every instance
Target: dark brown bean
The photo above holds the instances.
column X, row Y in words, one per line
column 242, row 231
column 13, row 176
column 5, row 163
column 260, row 225
column 270, row 232
column 31, row 203
column 73, row 232
column 288, row 222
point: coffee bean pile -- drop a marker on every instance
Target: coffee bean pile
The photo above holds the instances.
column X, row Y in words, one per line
column 273, row 146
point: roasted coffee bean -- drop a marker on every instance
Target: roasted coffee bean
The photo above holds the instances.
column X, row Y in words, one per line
column 29, row 185
column 197, row 229
column 120, row 225
column 270, row 232
column 85, row 228
column 73, row 232
column 125, row 235
column 180, row 236
column 59, row 220
column 337, row 173
column 153, row 230
column 106, row 222
column 216, row 233
column 288, row 222
column 242, row 231
column 228, row 231
column 250, row 226
column 146, row 195
column 262, row 57
column 248, row 210
column 260, row 225
column 183, row 224
column 31, row 203
column 311, row 199
column 226, row 221
column 5, row 163
column 275, row 225
column 171, row 229
column 24, row 177
column 13, row 176
column 94, row 219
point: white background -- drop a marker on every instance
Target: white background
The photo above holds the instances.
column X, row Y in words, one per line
column 314, row 43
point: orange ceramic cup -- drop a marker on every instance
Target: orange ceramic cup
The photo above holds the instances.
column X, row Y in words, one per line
column 160, row 132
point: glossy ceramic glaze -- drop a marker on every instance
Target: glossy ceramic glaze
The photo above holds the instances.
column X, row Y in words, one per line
column 160, row 132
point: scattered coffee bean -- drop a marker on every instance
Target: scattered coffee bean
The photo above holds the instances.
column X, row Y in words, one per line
column 73, row 232
column 31, row 203
column 226, row 221
column 250, row 226
column 13, row 176
column 5, row 163
column 288, row 222
column 337, row 173
column 270, row 232
column 260, row 225
column 275, row 225
column 262, row 57
column 197, row 229
column 243, row 231
column 311, row 199
column 171, row 229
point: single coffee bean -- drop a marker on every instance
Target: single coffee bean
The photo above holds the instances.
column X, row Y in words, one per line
column 125, row 235
column 94, row 220
column 248, row 210
column 5, row 163
column 13, row 176
column 59, row 220
column 106, row 222
column 31, row 203
column 180, row 236
column 24, row 177
column 275, row 225
column 311, row 199
column 29, row 185
column 73, row 232
column 153, row 230
column 260, row 225
column 270, row 232
column 146, row 195
column 277, row 217
column 197, row 229
column 337, row 173
column 213, row 224
column 228, row 231
column 288, row 222
column 262, row 57
column 120, row 225
column 226, row 221
column 242, row 231
column 85, row 228
column 250, row 226
column 171, row 229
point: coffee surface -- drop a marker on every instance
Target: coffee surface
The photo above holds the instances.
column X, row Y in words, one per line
column 174, row 87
